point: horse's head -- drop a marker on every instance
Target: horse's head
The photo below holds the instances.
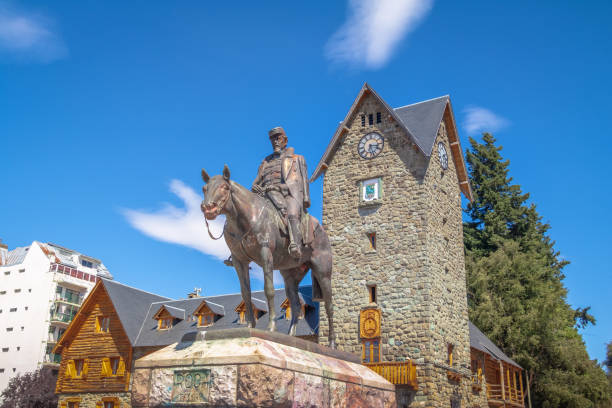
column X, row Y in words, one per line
column 216, row 193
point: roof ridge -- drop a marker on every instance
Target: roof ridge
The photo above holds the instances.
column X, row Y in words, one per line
column 427, row 100
column 140, row 290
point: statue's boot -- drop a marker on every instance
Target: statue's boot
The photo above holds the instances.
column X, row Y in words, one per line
column 295, row 238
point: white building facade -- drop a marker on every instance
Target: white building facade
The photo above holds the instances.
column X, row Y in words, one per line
column 41, row 289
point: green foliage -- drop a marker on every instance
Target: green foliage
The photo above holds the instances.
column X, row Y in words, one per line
column 31, row 390
column 515, row 290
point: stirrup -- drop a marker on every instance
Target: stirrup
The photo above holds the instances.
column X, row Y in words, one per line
column 229, row 261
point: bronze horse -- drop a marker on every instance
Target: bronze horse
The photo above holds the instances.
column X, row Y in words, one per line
column 252, row 233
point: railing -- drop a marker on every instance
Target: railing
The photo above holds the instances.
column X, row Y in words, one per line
column 75, row 273
column 477, row 381
column 62, row 317
column 54, row 338
column 398, row 373
column 510, row 395
column 69, row 298
column 52, row 358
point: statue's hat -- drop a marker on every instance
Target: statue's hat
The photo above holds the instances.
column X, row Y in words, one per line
column 277, row 130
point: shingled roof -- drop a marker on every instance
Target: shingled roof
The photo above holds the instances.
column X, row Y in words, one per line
column 481, row 342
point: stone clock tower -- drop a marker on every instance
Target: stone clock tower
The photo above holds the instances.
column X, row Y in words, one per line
column 393, row 180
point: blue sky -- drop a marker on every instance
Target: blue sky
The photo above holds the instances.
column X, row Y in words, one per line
column 109, row 110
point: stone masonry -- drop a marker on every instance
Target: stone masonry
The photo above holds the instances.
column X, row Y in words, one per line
column 417, row 266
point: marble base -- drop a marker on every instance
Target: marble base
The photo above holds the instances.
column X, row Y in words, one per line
column 254, row 368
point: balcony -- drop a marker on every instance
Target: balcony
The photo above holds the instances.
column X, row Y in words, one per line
column 69, row 298
column 505, row 396
column 53, row 338
column 52, row 359
column 62, row 318
column 397, row 373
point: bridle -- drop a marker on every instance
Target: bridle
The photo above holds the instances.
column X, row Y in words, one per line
column 229, row 194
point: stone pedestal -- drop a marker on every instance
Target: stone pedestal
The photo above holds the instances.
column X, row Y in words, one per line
column 253, row 368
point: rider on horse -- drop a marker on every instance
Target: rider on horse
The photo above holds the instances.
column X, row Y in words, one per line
column 283, row 179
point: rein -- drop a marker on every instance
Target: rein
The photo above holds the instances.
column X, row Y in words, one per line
column 229, row 195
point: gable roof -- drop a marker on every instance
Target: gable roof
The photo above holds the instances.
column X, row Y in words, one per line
column 481, row 342
column 213, row 307
column 131, row 305
column 171, row 310
column 420, row 121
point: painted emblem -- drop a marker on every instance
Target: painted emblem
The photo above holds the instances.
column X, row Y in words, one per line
column 371, row 190
column 191, row 386
column 370, row 323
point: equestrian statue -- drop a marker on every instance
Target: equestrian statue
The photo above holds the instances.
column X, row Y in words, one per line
column 270, row 226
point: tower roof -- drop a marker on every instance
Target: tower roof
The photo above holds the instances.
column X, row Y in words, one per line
column 420, row 121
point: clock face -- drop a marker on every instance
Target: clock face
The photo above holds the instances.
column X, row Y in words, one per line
column 370, row 145
column 442, row 155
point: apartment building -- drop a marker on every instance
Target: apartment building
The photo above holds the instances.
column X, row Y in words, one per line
column 41, row 289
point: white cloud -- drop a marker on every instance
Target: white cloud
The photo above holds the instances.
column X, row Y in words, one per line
column 373, row 30
column 186, row 226
column 183, row 226
column 29, row 36
column 479, row 119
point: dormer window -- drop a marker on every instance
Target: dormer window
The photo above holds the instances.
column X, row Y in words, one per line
column 286, row 306
column 259, row 308
column 167, row 316
column 86, row 263
column 207, row 313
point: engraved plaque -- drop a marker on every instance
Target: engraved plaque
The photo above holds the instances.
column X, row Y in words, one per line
column 191, row 386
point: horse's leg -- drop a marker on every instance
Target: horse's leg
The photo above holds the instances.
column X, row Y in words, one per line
column 321, row 263
column 268, row 272
column 242, row 268
column 292, row 280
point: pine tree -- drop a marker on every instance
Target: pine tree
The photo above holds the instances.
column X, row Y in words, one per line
column 515, row 290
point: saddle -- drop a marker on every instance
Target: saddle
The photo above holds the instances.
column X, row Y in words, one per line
column 308, row 225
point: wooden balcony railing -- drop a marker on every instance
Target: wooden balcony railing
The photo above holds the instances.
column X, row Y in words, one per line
column 510, row 395
column 398, row 373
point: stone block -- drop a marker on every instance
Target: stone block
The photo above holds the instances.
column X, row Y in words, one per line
column 264, row 386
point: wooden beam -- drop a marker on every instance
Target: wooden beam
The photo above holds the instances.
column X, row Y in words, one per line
column 521, row 385
column 528, row 393
column 501, row 367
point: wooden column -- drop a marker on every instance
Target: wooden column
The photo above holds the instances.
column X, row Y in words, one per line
column 509, row 384
column 503, row 388
column 521, row 385
column 528, row 392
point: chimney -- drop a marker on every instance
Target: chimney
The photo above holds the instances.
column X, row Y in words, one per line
column 194, row 294
column 3, row 253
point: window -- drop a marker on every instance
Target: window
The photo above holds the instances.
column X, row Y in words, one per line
column 205, row 320
column 21, row 270
column 372, row 240
column 113, row 367
column 9, row 329
column 77, row 368
column 26, row 308
column 362, row 120
column 114, row 364
column 102, row 324
column 5, row 349
column 109, row 404
column 14, row 369
column 371, row 351
column 372, row 293
column 72, row 404
column 165, row 324
column 378, row 117
column 30, row 290
column 18, row 348
column 1, row 370
column 3, row 292
column 450, row 354
column 370, row 119
column 7, row 273
column 13, row 309
column 21, row 328
column 17, row 290
column 86, row 263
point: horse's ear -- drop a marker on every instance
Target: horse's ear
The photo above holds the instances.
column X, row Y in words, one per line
column 226, row 173
column 205, row 176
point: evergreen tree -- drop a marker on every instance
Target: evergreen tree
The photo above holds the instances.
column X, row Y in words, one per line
column 515, row 290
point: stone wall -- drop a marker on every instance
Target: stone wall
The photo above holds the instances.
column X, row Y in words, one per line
column 90, row 399
column 417, row 266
